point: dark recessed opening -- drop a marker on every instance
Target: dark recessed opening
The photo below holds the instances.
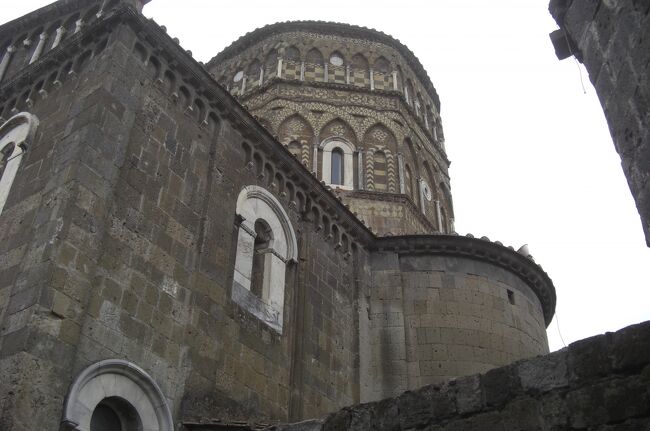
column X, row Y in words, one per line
column 511, row 296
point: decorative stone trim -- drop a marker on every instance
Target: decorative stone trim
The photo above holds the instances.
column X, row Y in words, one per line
column 116, row 378
column 256, row 203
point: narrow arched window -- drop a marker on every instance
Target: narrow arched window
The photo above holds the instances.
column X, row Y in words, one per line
column 337, row 167
column 15, row 135
column 338, row 163
column 266, row 244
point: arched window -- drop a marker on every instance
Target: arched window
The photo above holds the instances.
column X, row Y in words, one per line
column 338, row 163
column 115, row 414
column 15, row 136
column 292, row 53
column 116, row 395
column 266, row 243
column 271, row 64
column 314, row 66
column 336, row 176
column 360, row 71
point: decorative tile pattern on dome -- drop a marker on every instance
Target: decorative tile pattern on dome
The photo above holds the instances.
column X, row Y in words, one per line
column 291, row 69
column 383, row 81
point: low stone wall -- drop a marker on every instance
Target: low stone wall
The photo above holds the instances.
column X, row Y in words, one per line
column 600, row 383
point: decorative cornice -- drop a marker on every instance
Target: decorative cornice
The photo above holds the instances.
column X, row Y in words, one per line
column 351, row 89
column 480, row 249
column 340, row 29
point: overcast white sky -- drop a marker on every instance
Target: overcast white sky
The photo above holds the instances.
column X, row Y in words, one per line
column 532, row 158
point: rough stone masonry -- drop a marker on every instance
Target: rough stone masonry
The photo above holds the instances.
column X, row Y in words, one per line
column 612, row 39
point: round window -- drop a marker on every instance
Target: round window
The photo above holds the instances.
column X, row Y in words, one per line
column 238, row 76
column 336, row 60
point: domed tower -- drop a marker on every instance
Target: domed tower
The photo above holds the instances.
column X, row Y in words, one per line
column 357, row 108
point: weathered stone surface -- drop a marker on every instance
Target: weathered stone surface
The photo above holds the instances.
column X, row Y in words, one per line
column 611, row 39
column 523, row 397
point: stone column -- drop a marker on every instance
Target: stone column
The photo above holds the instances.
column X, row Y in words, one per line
column 279, row 67
column 439, row 216
column 39, row 48
column 395, row 80
column 360, row 175
column 59, row 36
column 325, row 73
column 347, row 73
column 242, row 90
column 400, row 167
column 4, row 65
column 372, row 78
column 302, row 70
column 261, row 79
column 314, row 162
column 422, row 197
column 244, row 258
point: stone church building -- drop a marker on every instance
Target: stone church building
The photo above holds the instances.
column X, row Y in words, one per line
column 264, row 238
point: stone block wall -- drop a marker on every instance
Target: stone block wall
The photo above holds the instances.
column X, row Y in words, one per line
column 612, row 40
column 49, row 230
column 122, row 245
column 600, row 383
column 431, row 318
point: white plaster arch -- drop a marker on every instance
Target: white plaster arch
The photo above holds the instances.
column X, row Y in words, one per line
column 255, row 203
column 18, row 130
column 116, row 378
column 327, row 146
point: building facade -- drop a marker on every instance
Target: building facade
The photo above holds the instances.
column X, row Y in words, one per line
column 268, row 237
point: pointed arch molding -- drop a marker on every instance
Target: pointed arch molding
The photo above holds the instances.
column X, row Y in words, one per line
column 256, row 203
column 18, row 130
column 115, row 378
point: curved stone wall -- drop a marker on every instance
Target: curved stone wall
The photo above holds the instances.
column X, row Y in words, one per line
column 445, row 307
column 314, row 84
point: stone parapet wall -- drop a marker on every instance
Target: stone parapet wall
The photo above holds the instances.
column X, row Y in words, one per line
column 612, row 40
column 600, row 383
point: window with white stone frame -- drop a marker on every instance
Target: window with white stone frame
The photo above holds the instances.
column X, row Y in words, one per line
column 266, row 244
column 115, row 394
column 15, row 136
column 338, row 163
